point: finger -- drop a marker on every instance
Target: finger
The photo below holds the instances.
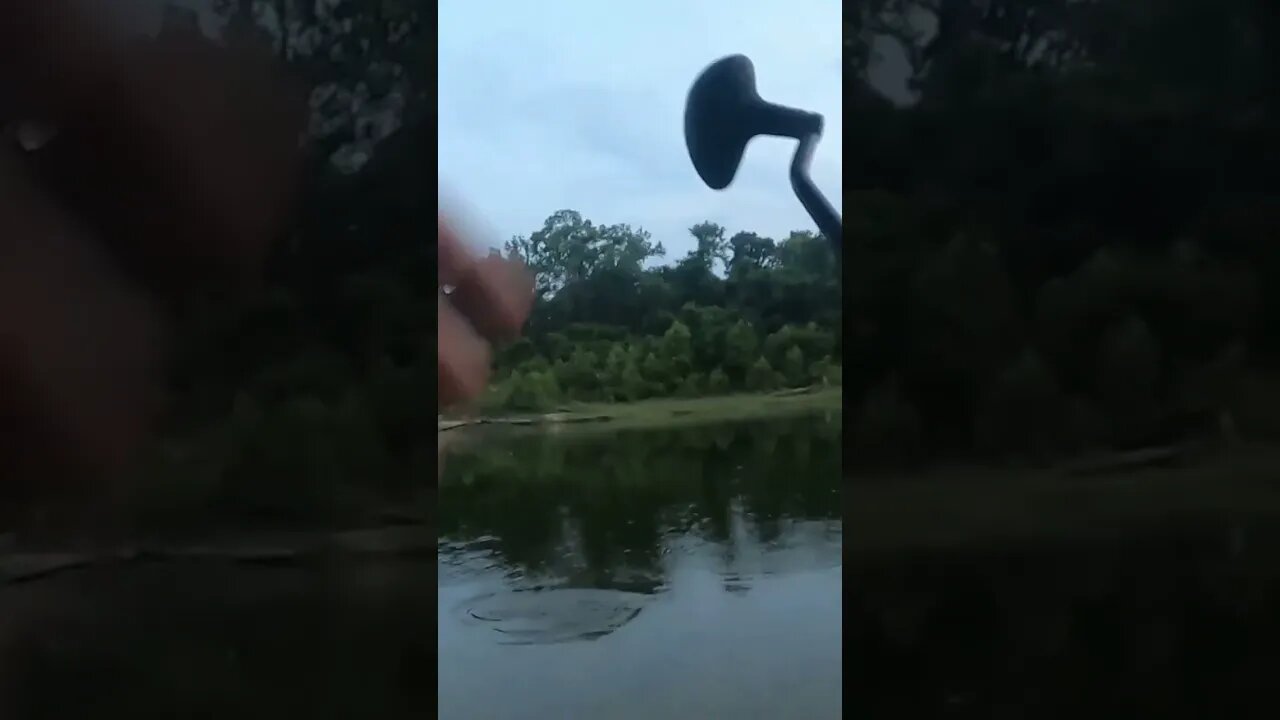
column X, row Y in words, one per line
column 496, row 295
column 198, row 178
column 463, row 357
column 454, row 260
column 181, row 152
column 79, row 346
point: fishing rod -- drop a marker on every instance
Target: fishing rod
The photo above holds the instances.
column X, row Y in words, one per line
column 724, row 112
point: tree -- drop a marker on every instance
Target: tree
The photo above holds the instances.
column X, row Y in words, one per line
column 718, row 382
column 570, row 249
column 793, row 367
column 740, row 349
column 677, row 348
column 365, row 62
column 761, row 376
column 1129, row 378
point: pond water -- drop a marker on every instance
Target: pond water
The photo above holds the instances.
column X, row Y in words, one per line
column 216, row 640
column 673, row 574
column 1181, row 621
column 685, row 573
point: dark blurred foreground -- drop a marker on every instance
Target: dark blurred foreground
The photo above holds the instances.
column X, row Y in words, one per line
column 219, row 640
column 1063, row 224
column 1065, row 232
column 1176, row 623
column 300, row 397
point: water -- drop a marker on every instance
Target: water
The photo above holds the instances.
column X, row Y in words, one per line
column 217, row 640
column 679, row 574
column 1176, row 622
column 687, row 573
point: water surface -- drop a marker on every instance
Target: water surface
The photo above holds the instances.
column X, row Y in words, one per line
column 1180, row 620
column 215, row 639
column 671, row 574
column 689, row 573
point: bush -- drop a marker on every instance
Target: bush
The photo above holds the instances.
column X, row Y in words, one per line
column 533, row 392
column 718, row 382
column 303, row 461
column 692, row 386
column 887, row 427
column 793, row 369
column 320, row 373
column 761, row 377
column 1023, row 412
column 825, row 372
column 1129, row 379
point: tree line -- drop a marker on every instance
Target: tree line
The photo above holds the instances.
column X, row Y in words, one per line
column 736, row 314
column 1065, row 239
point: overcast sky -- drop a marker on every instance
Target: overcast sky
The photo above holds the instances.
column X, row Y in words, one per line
column 577, row 104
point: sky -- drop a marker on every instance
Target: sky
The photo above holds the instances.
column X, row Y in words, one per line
column 578, row 104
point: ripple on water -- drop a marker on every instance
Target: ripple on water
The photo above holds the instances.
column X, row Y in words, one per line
column 557, row 615
column 463, row 561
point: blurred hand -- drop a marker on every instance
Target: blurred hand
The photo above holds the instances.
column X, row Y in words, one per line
column 173, row 165
column 490, row 301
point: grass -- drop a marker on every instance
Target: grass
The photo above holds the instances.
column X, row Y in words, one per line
column 963, row 508
column 676, row 412
column 666, row 412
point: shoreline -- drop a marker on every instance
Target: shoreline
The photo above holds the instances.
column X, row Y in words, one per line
column 662, row 412
column 21, row 567
column 892, row 516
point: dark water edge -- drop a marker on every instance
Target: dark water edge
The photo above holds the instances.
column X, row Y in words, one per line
column 1181, row 621
column 220, row 640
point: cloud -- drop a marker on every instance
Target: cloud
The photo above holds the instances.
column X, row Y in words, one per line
column 576, row 104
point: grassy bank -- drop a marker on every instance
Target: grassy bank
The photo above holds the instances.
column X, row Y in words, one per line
column 664, row 412
column 959, row 508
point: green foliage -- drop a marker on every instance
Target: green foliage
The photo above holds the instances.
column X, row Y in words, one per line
column 1129, row 378
column 299, row 459
column 794, row 372
column 887, row 428
column 533, row 391
column 611, row 329
column 1013, row 236
column 323, row 373
column 677, row 348
column 761, row 377
column 825, row 372
column 395, row 403
column 691, row 386
column 740, row 349
column 1023, row 412
column 718, row 382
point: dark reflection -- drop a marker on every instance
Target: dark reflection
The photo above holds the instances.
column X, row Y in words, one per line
column 588, row 530
column 690, row 572
column 1181, row 623
column 608, row 511
column 220, row 641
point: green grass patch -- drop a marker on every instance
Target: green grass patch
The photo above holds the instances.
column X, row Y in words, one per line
column 671, row 412
column 961, row 508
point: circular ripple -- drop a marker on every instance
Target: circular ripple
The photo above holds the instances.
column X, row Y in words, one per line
column 559, row 615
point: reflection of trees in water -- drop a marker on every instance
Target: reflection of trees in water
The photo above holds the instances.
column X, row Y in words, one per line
column 220, row 641
column 595, row 507
column 1173, row 623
